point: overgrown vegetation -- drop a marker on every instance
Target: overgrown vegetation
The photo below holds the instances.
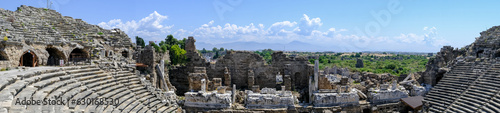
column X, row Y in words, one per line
column 176, row 48
column 139, row 41
column 393, row 63
column 266, row 54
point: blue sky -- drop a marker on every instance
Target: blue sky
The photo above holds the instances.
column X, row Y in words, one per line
column 333, row 25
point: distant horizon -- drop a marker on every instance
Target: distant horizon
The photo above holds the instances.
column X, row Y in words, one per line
column 389, row 25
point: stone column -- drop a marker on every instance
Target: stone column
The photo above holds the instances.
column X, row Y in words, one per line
column 251, row 79
column 234, row 93
column 316, row 74
column 203, row 85
column 227, row 77
column 287, row 82
column 311, row 87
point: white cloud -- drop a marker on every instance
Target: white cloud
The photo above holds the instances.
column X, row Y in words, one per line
column 306, row 30
column 279, row 28
column 429, row 38
column 150, row 27
column 307, row 25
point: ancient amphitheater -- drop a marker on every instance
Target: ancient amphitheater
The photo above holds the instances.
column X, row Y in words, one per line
column 52, row 63
column 472, row 80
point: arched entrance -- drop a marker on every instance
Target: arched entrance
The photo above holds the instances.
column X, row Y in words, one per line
column 497, row 54
column 28, row 59
column 479, row 53
column 78, row 55
column 125, row 54
column 54, row 56
column 3, row 56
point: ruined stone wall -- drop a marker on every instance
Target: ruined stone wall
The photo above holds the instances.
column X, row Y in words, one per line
column 239, row 63
column 246, row 69
column 178, row 76
column 438, row 65
column 298, row 68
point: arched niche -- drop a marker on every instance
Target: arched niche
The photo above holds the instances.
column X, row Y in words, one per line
column 28, row 59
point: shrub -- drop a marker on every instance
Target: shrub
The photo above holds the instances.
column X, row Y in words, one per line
column 5, row 38
column 100, row 33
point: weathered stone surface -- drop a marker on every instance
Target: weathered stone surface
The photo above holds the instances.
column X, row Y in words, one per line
column 336, row 99
column 227, row 77
column 269, row 98
column 52, row 37
column 386, row 95
column 198, row 80
column 208, row 100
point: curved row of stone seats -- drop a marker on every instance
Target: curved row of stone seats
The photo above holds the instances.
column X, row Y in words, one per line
column 493, row 85
column 143, row 100
column 76, row 83
column 451, row 86
column 25, row 82
column 480, row 95
column 477, row 93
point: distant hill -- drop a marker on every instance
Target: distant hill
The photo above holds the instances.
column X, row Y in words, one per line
column 252, row 46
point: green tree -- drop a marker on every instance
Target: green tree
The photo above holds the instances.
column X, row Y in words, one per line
column 182, row 43
column 214, row 49
column 162, row 43
column 157, row 48
column 216, row 55
column 177, row 55
column 139, row 41
column 221, row 49
column 164, row 48
column 357, row 55
column 390, row 66
column 171, row 40
column 203, row 50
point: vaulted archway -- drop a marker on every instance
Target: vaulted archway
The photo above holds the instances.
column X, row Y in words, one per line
column 125, row 54
column 55, row 56
column 28, row 59
column 78, row 55
column 3, row 56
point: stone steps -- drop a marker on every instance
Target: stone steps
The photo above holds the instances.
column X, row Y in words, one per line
column 84, row 82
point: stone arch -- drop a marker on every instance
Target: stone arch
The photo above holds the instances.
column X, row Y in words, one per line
column 3, row 56
column 497, row 54
column 54, row 56
column 78, row 55
column 479, row 53
column 125, row 53
column 28, row 59
column 110, row 53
